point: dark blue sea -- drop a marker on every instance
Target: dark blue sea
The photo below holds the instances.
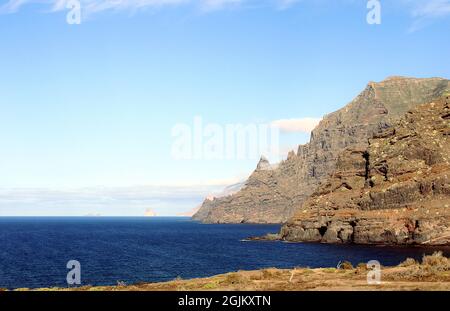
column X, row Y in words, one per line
column 34, row 251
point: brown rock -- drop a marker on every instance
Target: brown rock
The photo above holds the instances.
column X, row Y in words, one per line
column 397, row 191
column 272, row 194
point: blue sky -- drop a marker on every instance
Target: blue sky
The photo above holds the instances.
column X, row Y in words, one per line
column 89, row 108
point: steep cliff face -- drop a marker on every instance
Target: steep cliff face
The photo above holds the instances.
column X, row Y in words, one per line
column 272, row 194
column 395, row 191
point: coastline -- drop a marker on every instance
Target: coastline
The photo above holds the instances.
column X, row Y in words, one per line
column 432, row 274
column 272, row 237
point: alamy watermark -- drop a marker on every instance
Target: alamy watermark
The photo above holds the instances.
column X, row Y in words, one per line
column 374, row 274
column 73, row 17
column 74, row 275
column 212, row 141
column 374, row 14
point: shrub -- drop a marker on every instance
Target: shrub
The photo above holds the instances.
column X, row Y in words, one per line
column 234, row 278
column 271, row 273
column 408, row 263
column 361, row 268
column 346, row 265
column 433, row 267
column 436, row 261
column 266, row 274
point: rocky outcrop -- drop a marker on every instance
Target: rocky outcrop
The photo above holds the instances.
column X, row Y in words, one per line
column 273, row 193
column 395, row 191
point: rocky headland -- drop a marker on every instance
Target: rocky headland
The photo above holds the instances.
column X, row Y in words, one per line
column 274, row 193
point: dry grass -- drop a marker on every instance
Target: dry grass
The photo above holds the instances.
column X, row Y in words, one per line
column 408, row 263
column 346, row 265
column 271, row 273
column 437, row 261
column 432, row 273
column 432, row 268
column 236, row 278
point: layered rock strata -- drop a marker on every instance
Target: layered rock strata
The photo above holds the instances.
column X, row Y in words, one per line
column 395, row 191
column 273, row 193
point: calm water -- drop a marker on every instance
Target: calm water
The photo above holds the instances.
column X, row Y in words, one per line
column 34, row 251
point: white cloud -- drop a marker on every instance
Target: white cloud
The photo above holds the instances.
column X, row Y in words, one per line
column 94, row 6
column 211, row 5
column 418, row 9
column 424, row 12
column 431, row 8
column 286, row 4
column 12, row 6
column 107, row 201
column 304, row 125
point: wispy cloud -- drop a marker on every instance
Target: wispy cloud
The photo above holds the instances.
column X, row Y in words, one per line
column 304, row 125
column 12, row 6
column 419, row 10
column 431, row 8
column 212, row 5
column 424, row 12
column 90, row 7
column 107, row 201
column 95, row 6
column 285, row 4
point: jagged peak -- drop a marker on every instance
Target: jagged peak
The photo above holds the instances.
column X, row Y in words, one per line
column 263, row 164
column 291, row 154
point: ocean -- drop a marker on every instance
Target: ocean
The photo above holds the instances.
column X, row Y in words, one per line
column 34, row 251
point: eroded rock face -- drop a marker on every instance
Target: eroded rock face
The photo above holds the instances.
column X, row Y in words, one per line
column 272, row 194
column 396, row 191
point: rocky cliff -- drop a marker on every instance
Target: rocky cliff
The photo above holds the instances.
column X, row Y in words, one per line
column 273, row 193
column 395, row 191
